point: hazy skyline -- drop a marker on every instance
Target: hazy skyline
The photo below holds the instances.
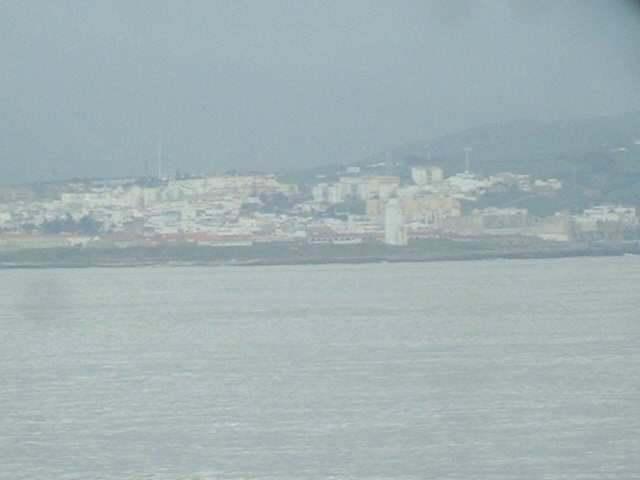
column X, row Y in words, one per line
column 91, row 88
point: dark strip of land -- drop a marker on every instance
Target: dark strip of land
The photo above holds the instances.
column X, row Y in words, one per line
column 302, row 254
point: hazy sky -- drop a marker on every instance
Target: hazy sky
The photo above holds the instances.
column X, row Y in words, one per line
column 90, row 87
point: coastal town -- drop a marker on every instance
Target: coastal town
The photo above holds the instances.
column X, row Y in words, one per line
column 361, row 204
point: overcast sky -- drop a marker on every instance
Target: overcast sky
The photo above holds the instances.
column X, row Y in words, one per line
column 91, row 87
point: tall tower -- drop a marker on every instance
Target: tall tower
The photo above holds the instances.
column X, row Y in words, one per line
column 395, row 232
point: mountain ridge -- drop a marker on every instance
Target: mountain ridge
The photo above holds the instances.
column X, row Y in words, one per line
column 528, row 146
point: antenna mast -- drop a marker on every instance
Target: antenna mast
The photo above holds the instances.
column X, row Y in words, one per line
column 160, row 160
column 467, row 159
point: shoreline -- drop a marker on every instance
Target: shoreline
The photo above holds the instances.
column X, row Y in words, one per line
column 396, row 257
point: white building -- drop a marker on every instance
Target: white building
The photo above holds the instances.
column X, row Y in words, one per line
column 5, row 218
column 467, row 183
column 610, row 213
column 423, row 175
column 335, row 194
column 320, row 193
column 606, row 221
column 548, row 185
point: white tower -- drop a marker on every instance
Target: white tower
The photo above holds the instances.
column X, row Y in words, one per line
column 395, row 232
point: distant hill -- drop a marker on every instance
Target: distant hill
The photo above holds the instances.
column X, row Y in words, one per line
column 525, row 146
column 598, row 157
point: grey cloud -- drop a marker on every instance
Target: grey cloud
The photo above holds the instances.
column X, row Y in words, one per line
column 89, row 88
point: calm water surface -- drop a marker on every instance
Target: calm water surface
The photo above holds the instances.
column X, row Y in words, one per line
column 474, row 370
